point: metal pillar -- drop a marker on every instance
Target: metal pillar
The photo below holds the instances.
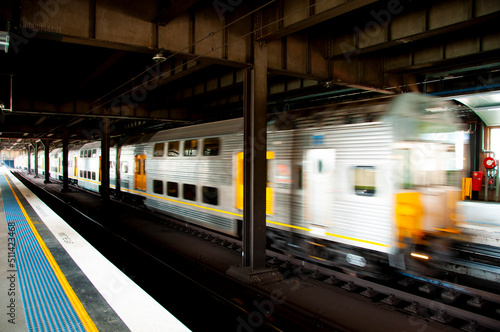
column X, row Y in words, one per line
column 253, row 267
column 65, row 151
column 36, row 160
column 28, row 147
column 46, row 146
column 105, row 162
column 118, row 192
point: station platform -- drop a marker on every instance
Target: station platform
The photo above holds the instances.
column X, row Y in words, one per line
column 481, row 222
column 52, row 279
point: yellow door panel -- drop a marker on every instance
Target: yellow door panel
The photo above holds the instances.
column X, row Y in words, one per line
column 240, row 189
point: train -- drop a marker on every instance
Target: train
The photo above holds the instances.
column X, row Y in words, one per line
column 364, row 186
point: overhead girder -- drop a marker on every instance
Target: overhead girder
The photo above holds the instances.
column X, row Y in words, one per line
column 203, row 32
column 350, row 44
column 172, row 10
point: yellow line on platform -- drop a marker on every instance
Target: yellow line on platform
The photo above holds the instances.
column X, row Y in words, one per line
column 73, row 298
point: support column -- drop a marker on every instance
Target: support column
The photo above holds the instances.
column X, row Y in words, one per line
column 105, row 162
column 46, row 146
column 28, row 148
column 253, row 267
column 36, row 160
column 65, row 187
column 118, row 186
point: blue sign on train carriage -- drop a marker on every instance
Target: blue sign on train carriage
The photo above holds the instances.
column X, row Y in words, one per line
column 318, row 139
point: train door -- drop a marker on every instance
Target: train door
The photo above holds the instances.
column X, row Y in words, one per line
column 76, row 167
column 319, row 170
column 59, row 166
column 239, row 183
column 140, row 172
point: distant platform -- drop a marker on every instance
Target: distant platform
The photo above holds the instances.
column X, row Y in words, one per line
column 481, row 222
column 52, row 279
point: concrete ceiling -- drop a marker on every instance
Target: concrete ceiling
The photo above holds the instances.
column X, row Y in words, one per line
column 76, row 62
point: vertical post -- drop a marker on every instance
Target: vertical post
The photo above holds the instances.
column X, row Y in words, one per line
column 253, row 267
column 118, row 186
column 36, row 159
column 28, row 148
column 105, row 162
column 65, row 187
column 255, row 163
column 46, row 145
column 246, row 249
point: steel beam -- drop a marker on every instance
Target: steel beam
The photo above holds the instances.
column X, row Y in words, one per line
column 65, row 151
column 253, row 267
column 105, row 143
column 46, row 145
column 326, row 15
column 175, row 9
column 28, row 148
column 437, row 33
column 36, row 159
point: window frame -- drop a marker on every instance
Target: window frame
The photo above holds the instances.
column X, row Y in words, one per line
column 170, row 149
column 158, row 184
column 185, row 190
column 217, row 139
column 360, row 191
column 191, row 148
column 176, row 188
column 204, row 195
column 155, row 150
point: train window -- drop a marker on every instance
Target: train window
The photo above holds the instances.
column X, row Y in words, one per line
column 81, row 153
column 81, row 173
column 211, row 146
column 93, row 175
column 84, row 174
column 94, row 153
column 189, row 192
column 364, row 180
column 159, row 150
column 85, row 154
column 172, row 189
column 124, row 167
column 173, row 149
column 210, row 195
column 191, row 147
column 158, row 187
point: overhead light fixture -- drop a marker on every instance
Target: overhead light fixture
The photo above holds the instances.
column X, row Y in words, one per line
column 159, row 57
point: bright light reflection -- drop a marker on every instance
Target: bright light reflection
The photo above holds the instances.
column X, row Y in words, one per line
column 419, row 256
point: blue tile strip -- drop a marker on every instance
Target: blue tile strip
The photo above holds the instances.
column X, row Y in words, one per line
column 46, row 305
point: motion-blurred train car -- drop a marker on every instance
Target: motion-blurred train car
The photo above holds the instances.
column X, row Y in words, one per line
column 358, row 185
column 371, row 186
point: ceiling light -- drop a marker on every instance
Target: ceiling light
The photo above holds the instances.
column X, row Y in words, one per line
column 159, row 58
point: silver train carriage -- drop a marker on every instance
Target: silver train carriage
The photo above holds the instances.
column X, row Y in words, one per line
column 354, row 186
column 354, row 195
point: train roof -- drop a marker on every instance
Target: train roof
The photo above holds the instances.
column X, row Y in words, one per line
column 218, row 128
column 413, row 114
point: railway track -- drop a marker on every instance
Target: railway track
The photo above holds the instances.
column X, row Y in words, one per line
column 464, row 307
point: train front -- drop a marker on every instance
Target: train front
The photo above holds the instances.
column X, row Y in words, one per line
column 428, row 155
